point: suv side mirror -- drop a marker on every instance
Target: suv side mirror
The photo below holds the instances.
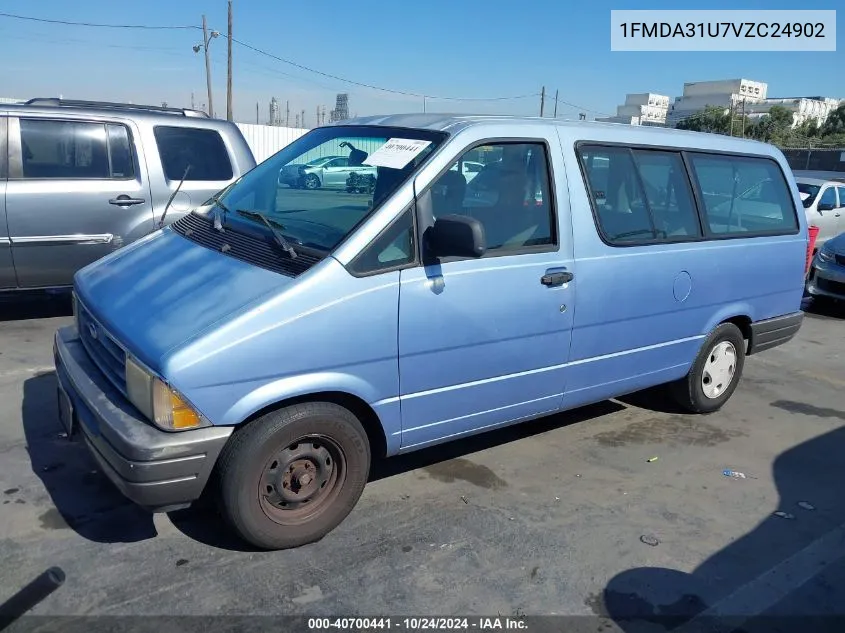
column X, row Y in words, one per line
column 457, row 236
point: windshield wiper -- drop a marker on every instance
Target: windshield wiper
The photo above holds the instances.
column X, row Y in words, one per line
column 277, row 236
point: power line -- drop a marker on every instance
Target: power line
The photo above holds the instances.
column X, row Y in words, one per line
column 105, row 26
column 371, row 86
column 290, row 62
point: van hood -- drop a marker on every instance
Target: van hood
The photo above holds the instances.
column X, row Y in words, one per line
column 157, row 293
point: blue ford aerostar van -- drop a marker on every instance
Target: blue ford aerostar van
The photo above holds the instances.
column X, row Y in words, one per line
column 286, row 335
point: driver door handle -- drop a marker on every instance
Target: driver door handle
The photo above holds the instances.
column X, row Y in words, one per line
column 126, row 201
column 554, row 278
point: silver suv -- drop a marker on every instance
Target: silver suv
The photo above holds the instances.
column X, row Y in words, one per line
column 79, row 179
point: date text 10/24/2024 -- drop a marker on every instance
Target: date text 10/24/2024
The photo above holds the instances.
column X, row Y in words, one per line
column 418, row 624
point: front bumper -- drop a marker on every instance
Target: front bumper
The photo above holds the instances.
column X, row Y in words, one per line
column 159, row 471
column 826, row 279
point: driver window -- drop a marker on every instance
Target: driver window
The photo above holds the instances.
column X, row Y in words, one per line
column 509, row 194
column 828, row 199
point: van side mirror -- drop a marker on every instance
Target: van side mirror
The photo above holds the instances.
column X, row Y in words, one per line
column 825, row 206
column 456, row 236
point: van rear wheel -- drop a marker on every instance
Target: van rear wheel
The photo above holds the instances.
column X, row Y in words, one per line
column 715, row 373
column 291, row 476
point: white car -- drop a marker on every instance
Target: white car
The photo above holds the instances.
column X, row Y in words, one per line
column 469, row 168
column 823, row 196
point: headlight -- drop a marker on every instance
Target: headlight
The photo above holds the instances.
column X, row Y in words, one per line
column 825, row 255
column 157, row 401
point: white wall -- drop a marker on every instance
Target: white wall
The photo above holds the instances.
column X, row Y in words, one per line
column 266, row 140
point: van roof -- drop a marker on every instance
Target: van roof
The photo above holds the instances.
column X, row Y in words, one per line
column 634, row 133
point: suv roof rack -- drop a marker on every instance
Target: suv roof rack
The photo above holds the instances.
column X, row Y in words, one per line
column 79, row 103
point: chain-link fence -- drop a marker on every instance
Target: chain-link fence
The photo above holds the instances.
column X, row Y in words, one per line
column 820, row 159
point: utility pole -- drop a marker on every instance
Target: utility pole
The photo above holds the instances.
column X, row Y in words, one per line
column 542, row 100
column 207, row 65
column 296, row 118
column 256, row 112
column 318, row 117
column 229, row 69
column 743, row 117
column 556, row 91
column 192, row 101
column 302, row 119
column 287, row 113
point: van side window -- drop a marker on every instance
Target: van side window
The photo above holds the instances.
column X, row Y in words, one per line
column 668, row 194
column 510, row 195
column 617, row 194
column 744, row 195
column 393, row 248
column 203, row 150
column 64, row 149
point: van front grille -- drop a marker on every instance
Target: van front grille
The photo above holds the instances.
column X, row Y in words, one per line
column 106, row 353
column 253, row 250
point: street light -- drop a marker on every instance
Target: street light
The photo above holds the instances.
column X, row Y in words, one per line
column 206, row 39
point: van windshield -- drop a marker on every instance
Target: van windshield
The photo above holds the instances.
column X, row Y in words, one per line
column 319, row 188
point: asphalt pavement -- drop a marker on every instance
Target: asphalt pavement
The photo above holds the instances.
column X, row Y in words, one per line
column 570, row 514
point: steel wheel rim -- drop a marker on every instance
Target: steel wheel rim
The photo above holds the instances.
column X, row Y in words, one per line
column 301, row 480
column 719, row 370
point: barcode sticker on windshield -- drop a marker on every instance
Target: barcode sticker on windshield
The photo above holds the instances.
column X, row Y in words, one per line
column 396, row 153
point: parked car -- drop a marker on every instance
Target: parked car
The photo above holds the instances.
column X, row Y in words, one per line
column 823, row 196
column 328, row 172
column 826, row 279
column 469, row 168
column 81, row 179
column 310, row 334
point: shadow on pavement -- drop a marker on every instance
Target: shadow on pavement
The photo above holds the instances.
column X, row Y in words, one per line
column 654, row 598
column 20, row 307
column 204, row 524
column 84, row 499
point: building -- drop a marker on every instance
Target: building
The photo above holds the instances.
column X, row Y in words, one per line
column 803, row 108
column 11, row 100
column 646, row 108
column 341, row 108
column 275, row 112
column 726, row 93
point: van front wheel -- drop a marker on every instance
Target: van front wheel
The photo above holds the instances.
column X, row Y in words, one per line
column 291, row 476
column 715, row 373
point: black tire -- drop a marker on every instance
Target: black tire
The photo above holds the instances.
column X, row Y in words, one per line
column 311, row 181
column 689, row 391
column 253, row 490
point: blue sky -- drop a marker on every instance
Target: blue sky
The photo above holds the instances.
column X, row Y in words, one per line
column 461, row 48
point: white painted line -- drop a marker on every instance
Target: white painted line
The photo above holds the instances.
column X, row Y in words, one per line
column 759, row 595
column 26, row 371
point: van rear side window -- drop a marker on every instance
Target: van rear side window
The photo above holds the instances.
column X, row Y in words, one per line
column 744, row 195
column 203, row 150
column 640, row 195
